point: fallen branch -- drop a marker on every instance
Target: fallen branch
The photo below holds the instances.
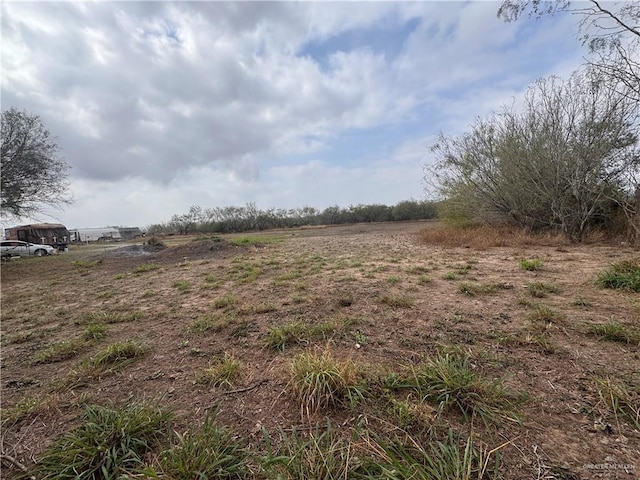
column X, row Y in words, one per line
column 9, row 459
column 245, row 389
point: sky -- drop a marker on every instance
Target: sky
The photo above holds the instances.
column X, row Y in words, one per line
column 157, row 106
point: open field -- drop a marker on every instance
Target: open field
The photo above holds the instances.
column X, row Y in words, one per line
column 383, row 343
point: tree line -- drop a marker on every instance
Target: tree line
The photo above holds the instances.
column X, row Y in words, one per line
column 234, row 219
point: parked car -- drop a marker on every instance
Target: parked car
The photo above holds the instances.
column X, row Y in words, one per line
column 16, row 248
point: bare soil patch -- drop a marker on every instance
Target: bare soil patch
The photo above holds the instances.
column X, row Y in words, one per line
column 393, row 301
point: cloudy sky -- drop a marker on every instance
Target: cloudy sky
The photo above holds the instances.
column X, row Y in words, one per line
column 157, row 106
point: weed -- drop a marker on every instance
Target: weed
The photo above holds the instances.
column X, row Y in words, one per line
column 265, row 308
column 211, row 278
column 109, row 444
column 393, row 280
column 299, row 333
column 615, row 332
column 222, row 371
column 535, row 334
column 541, row 289
column 410, row 414
column 86, row 263
column 360, row 338
column 321, row 455
column 95, row 331
column 149, row 294
column 257, row 240
column 182, row 285
column 623, row 275
column 144, row 268
column 544, row 314
column 116, row 356
column 244, row 272
column 155, row 242
column 344, row 301
column 450, row 276
column 109, row 317
column 210, row 323
column 619, row 399
column 449, row 380
column 531, row 265
column 211, row 452
column 581, row 302
column 226, row 301
column 463, row 269
column 60, row 351
column 28, row 407
column 454, row 457
column 424, row 280
column 24, row 337
column 473, row 288
column 417, row 270
column 397, row 301
column 319, row 381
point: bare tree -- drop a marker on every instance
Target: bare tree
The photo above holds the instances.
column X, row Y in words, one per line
column 612, row 34
column 563, row 162
column 33, row 175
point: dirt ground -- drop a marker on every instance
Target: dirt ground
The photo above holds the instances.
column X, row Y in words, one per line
column 403, row 300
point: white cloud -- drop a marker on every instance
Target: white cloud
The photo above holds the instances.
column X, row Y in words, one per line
column 158, row 106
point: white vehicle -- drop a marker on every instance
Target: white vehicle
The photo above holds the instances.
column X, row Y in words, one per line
column 16, row 248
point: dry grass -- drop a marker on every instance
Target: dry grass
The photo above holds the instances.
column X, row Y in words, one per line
column 483, row 237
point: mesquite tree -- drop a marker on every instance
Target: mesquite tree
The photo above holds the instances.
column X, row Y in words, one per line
column 33, row 175
column 566, row 159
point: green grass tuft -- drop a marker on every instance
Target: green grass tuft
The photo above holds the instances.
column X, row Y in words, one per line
column 397, row 301
column 300, row 333
column 615, row 332
column 541, row 289
column 211, row 323
column 454, row 457
column 95, row 331
column 222, row 371
column 321, row 455
column 116, row 356
column 212, row 452
column 182, row 285
column 257, row 239
column 473, row 289
column 623, row 275
column 111, row 443
column 60, row 351
column 144, row 268
column 531, row 265
column 449, row 380
column 319, row 381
